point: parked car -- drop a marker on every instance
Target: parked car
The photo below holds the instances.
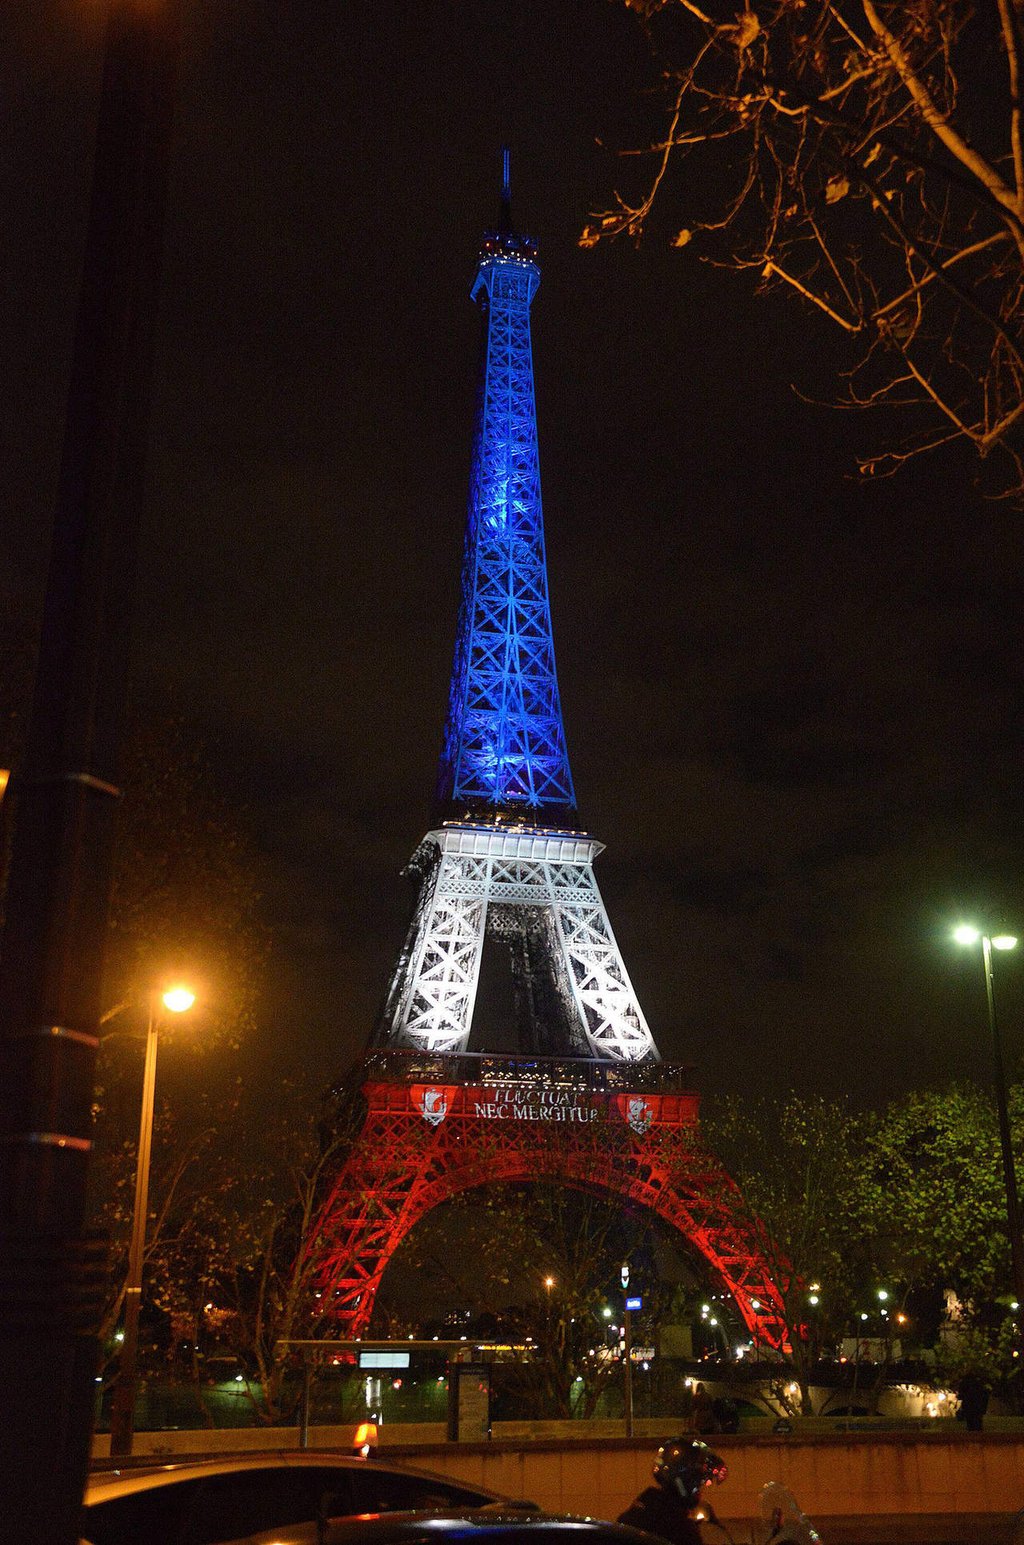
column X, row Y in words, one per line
column 483, row 1527
column 261, row 1495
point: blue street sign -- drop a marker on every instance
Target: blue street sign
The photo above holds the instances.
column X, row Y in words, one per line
column 634, row 1303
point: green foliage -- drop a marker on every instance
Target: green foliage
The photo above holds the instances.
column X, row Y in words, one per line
column 936, row 1186
column 800, row 1165
column 974, row 1349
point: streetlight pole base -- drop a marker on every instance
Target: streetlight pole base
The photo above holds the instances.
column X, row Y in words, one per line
column 122, row 1418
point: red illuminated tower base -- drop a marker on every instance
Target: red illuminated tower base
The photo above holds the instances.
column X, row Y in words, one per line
column 435, row 1126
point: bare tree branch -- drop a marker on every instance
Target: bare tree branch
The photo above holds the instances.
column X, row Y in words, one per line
column 843, row 164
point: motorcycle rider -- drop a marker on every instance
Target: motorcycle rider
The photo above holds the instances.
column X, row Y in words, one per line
column 682, row 1469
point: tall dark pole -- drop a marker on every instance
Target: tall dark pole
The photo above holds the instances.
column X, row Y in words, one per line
column 627, row 1342
column 52, row 1278
column 1005, row 1139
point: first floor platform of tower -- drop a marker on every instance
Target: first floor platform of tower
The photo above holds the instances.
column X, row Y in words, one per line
column 559, row 1090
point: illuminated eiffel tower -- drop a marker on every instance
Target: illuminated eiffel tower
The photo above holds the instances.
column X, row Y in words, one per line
column 508, row 860
column 585, row 1099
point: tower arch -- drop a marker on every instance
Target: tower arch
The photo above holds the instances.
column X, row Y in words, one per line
column 488, row 1119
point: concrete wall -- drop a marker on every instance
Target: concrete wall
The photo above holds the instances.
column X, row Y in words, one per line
column 830, row 1475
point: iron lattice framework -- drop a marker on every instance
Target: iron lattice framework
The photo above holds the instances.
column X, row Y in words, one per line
column 541, row 887
column 510, row 863
column 504, row 744
column 438, row 1126
column 496, row 870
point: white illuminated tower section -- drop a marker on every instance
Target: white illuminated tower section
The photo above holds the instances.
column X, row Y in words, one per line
column 507, row 859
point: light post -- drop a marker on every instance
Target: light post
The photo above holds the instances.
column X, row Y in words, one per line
column 627, row 1344
column 549, row 1283
column 967, row 934
column 122, row 1416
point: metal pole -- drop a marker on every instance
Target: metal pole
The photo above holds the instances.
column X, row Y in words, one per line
column 628, row 1372
column 122, row 1416
column 307, row 1390
column 53, row 1273
column 1005, row 1138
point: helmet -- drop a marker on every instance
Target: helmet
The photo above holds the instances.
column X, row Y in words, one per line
column 685, row 1465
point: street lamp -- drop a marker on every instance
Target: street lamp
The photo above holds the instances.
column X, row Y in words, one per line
column 178, row 1000
column 967, row 934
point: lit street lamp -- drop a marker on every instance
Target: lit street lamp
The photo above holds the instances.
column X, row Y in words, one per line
column 969, row 935
column 122, row 1416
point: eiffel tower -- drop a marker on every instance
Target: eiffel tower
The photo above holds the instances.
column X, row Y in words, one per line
column 585, row 1099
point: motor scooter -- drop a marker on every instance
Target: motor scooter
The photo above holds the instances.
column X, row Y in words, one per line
column 781, row 1521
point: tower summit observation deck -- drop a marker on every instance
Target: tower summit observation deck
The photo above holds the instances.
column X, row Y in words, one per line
column 504, row 746
column 508, row 861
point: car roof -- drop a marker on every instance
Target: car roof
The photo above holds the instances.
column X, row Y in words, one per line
column 105, row 1484
column 477, row 1527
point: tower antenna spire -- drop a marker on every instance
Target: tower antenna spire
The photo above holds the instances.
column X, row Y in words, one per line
column 506, row 188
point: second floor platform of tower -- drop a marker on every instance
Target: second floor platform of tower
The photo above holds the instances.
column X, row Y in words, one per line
column 408, row 1065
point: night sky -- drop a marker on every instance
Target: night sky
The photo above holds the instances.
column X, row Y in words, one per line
column 793, row 702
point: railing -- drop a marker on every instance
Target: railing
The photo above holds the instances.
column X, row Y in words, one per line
column 407, row 1065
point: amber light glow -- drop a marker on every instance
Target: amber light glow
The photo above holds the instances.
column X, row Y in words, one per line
column 365, row 1439
column 178, row 999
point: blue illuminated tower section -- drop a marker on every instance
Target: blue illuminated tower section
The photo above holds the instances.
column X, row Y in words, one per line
column 507, row 865
column 504, row 745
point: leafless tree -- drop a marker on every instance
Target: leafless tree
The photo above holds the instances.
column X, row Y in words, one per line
column 867, row 156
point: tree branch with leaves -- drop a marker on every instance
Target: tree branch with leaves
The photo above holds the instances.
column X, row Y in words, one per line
column 800, row 1165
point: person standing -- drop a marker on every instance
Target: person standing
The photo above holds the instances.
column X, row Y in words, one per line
column 702, row 1410
column 972, row 1392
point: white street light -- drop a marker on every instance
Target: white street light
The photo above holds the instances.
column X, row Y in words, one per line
column 967, row 934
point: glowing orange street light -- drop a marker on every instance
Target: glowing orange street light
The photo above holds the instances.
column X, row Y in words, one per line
column 178, row 1000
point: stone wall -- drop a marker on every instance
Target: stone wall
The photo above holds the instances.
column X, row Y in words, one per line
column 840, row 1475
